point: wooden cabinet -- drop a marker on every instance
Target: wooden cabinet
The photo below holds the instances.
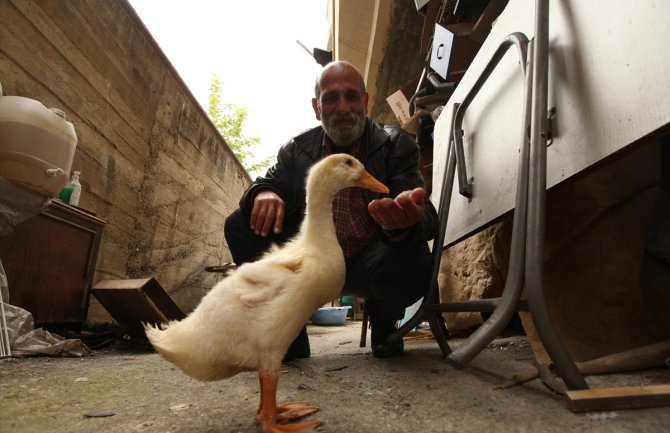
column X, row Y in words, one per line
column 49, row 260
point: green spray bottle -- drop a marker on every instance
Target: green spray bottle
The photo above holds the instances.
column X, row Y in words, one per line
column 72, row 191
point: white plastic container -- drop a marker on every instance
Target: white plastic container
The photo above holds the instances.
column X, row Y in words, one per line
column 37, row 145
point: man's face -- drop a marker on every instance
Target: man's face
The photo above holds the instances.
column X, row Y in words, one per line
column 342, row 106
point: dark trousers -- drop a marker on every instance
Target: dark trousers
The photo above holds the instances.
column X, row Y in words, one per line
column 388, row 278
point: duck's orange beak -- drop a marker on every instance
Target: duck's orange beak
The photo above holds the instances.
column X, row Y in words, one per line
column 369, row 182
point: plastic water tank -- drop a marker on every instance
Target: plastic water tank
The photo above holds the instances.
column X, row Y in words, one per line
column 37, row 145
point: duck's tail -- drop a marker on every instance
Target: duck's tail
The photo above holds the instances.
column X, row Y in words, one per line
column 158, row 337
column 182, row 348
column 172, row 344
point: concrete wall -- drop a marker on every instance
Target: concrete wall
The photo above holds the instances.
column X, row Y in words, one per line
column 153, row 166
column 382, row 39
column 401, row 62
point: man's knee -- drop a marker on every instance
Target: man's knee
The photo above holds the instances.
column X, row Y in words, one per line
column 243, row 243
column 413, row 262
column 398, row 275
column 235, row 224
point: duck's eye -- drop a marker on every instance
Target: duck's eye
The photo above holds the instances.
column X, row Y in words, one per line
column 349, row 162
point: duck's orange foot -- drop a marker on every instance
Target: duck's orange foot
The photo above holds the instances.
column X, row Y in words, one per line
column 289, row 412
column 274, row 418
column 294, row 410
column 305, row 427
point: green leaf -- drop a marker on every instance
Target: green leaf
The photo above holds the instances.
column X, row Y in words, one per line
column 230, row 120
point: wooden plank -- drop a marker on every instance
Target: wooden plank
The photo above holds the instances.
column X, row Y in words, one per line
column 136, row 301
column 618, row 398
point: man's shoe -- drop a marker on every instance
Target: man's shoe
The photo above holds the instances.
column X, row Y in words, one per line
column 381, row 347
column 299, row 348
column 388, row 350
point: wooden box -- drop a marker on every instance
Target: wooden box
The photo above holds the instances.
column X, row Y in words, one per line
column 49, row 260
column 134, row 302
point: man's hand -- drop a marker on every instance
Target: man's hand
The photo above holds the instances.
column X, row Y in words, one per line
column 268, row 213
column 399, row 213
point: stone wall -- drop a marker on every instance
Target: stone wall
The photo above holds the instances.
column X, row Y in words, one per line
column 153, row 166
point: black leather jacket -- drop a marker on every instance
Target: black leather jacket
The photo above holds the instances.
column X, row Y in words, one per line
column 391, row 155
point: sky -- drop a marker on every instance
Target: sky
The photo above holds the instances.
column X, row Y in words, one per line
column 251, row 47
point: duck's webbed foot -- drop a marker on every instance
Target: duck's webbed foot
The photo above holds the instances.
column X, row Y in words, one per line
column 293, row 410
column 305, row 427
column 274, row 418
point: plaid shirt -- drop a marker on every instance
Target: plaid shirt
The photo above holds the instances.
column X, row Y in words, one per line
column 354, row 226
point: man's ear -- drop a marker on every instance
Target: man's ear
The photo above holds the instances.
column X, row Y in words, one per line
column 315, row 107
column 365, row 101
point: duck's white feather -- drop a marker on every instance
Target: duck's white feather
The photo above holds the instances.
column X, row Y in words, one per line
column 248, row 320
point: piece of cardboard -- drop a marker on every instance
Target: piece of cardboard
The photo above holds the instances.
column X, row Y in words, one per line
column 400, row 106
column 399, row 101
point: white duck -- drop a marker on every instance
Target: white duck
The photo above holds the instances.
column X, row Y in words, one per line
column 249, row 319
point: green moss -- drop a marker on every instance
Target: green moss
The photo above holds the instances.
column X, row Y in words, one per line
column 33, row 400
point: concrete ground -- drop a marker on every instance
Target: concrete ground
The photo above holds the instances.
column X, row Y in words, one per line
column 125, row 391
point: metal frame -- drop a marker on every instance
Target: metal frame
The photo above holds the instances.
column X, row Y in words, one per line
column 537, row 192
column 527, row 248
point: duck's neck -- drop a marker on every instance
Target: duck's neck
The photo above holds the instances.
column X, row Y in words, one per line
column 318, row 225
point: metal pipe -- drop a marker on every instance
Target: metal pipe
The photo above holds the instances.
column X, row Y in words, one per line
column 443, row 214
column 455, row 146
column 432, row 77
column 535, row 240
column 515, row 39
column 446, row 88
column 509, row 301
column 5, row 344
column 474, row 305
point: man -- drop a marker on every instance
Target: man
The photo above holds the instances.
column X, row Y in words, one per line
column 384, row 239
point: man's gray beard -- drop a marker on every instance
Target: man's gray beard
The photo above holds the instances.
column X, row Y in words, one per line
column 345, row 136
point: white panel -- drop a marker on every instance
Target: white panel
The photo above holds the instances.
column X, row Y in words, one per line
column 443, row 41
column 609, row 79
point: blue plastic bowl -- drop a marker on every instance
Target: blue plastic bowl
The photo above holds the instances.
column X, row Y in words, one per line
column 330, row 315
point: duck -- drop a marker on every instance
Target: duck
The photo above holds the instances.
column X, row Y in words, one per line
column 247, row 321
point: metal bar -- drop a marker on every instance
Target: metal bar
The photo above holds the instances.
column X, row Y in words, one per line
column 443, row 215
column 455, row 146
column 536, row 208
column 5, row 344
column 474, row 305
column 440, row 333
column 364, row 328
column 496, row 323
column 529, row 211
column 515, row 39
